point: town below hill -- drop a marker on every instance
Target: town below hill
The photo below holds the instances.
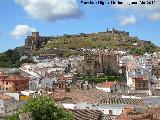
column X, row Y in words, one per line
column 73, row 45
column 99, row 76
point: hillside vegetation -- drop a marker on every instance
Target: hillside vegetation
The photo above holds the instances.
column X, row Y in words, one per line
column 11, row 59
column 74, row 43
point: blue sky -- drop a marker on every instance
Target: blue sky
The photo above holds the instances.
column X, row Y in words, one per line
column 18, row 18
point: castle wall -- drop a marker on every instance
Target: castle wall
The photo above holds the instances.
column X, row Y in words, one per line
column 35, row 41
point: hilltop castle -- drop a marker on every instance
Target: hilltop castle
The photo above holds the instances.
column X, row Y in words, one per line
column 114, row 31
column 35, row 41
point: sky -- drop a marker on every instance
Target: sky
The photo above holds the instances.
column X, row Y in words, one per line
column 18, row 18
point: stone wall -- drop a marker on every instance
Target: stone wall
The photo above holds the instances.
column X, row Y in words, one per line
column 100, row 62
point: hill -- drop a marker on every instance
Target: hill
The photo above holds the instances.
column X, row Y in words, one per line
column 11, row 59
column 67, row 45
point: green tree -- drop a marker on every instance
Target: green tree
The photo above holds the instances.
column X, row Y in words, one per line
column 44, row 108
column 15, row 116
column 11, row 59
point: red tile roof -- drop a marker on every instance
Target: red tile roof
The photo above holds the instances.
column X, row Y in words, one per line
column 85, row 114
column 15, row 77
column 139, row 78
column 106, row 84
column 4, row 97
column 3, row 74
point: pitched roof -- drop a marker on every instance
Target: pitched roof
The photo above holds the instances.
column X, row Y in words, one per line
column 86, row 114
column 129, row 101
column 4, row 97
column 106, row 84
column 67, row 100
column 15, row 77
column 138, row 78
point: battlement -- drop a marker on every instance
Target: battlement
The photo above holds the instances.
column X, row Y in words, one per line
column 35, row 34
column 114, row 31
column 35, row 41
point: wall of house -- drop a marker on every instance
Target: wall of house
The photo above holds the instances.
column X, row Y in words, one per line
column 15, row 95
column 14, row 106
column 134, row 97
column 115, row 109
column 129, row 80
column 141, row 84
column 4, row 103
column 152, row 101
column 120, row 88
column 2, row 109
column 1, row 102
column 8, row 101
column 33, row 84
column 68, row 105
column 8, row 86
column 156, row 71
column 28, row 69
column 104, row 89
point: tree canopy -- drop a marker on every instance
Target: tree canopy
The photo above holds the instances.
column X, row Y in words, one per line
column 44, row 108
column 11, row 59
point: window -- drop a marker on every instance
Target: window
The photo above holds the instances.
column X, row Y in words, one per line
column 110, row 112
column 6, row 83
column 144, row 85
column 141, row 85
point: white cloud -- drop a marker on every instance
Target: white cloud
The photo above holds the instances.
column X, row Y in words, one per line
column 155, row 16
column 151, row 11
column 21, row 30
column 51, row 10
column 129, row 20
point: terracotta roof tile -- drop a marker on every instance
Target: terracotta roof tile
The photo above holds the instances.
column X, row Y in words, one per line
column 106, row 84
column 4, row 97
column 139, row 78
column 15, row 77
column 86, row 114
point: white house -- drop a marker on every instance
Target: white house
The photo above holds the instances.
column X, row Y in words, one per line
column 111, row 109
column 4, row 101
column 105, row 86
column 113, row 87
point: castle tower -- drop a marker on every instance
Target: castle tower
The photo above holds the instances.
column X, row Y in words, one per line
column 113, row 30
column 107, row 30
column 35, row 37
column 35, row 34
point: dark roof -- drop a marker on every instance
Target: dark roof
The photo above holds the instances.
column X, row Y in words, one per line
column 86, row 114
column 114, row 100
